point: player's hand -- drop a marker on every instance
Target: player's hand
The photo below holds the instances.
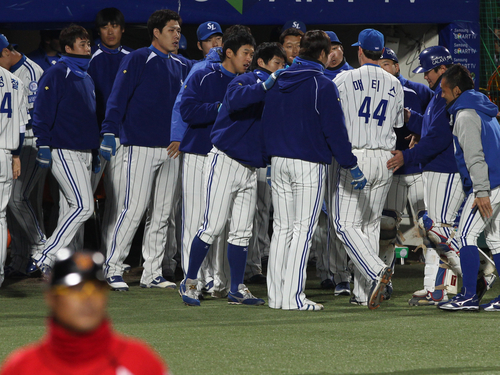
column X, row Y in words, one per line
column 44, row 157
column 173, row 149
column 96, row 163
column 483, row 204
column 414, row 139
column 358, row 178
column 16, row 166
column 396, row 162
column 407, row 115
column 268, row 83
column 108, row 146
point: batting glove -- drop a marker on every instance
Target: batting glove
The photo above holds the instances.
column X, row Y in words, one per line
column 96, row 163
column 358, row 178
column 44, row 157
column 272, row 79
column 108, row 146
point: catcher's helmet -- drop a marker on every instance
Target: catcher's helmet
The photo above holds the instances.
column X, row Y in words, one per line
column 433, row 57
column 389, row 54
column 71, row 269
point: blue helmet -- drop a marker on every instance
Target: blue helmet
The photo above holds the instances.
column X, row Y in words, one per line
column 389, row 54
column 433, row 57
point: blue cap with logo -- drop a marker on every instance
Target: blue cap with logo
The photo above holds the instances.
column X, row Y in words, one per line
column 371, row 40
column 389, row 54
column 295, row 25
column 333, row 37
column 4, row 43
column 207, row 29
column 183, row 44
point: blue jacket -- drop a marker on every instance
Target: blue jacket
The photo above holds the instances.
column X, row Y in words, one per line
column 331, row 73
column 178, row 126
column 139, row 108
column 303, row 117
column 238, row 129
column 64, row 114
column 41, row 58
column 434, row 152
column 490, row 139
column 199, row 106
column 103, row 68
column 417, row 97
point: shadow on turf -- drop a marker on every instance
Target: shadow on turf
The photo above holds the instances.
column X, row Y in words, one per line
column 426, row 371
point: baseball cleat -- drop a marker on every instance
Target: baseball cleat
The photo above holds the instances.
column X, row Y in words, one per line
column 420, row 293
column 311, row 306
column 388, row 291
column 426, row 300
column 243, row 297
column 378, row 288
column 11, row 273
column 342, row 289
column 327, row 284
column 354, row 301
column 493, row 305
column 31, row 267
column 159, row 282
column 117, row 284
column 461, row 303
column 189, row 292
column 126, row 267
column 46, row 270
column 208, row 288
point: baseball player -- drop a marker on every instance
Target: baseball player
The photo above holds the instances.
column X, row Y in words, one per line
column 49, row 52
column 443, row 192
column 303, row 129
column 13, row 119
column 407, row 185
column 25, row 229
column 231, row 169
column 372, row 100
column 476, row 136
column 144, row 129
column 106, row 59
column 338, row 63
column 65, row 125
column 290, row 40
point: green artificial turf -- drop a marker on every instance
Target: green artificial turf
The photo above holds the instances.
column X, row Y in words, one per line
column 217, row 338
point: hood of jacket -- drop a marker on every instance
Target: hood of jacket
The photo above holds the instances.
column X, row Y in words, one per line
column 300, row 71
column 473, row 100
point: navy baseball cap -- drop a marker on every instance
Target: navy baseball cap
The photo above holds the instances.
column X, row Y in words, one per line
column 71, row 268
column 371, row 40
column 4, row 43
column 183, row 44
column 389, row 54
column 333, row 37
column 207, row 29
column 295, row 25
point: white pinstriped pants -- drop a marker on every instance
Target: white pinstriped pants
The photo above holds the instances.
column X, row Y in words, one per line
column 71, row 169
column 357, row 216
column 472, row 223
column 298, row 189
column 406, row 188
column 5, row 191
column 150, row 179
column 26, row 230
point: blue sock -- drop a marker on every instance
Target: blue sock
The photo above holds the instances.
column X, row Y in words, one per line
column 237, row 257
column 496, row 259
column 438, row 294
column 199, row 251
column 469, row 260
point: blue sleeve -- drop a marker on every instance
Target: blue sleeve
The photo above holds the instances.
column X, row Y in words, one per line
column 126, row 80
column 21, row 141
column 240, row 95
column 178, row 127
column 194, row 108
column 415, row 123
column 333, row 126
column 45, row 108
column 437, row 139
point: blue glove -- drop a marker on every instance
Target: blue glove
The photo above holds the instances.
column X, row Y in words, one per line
column 108, row 146
column 44, row 157
column 96, row 163
column 272, row 79
column 358, row 178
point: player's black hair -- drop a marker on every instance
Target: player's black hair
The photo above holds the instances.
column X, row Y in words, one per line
column 372, row 55
column 266, row 51
column 235, row 41
column 109, row 15
column 159, row 19
column 69, row 35
column 291, row 31
column 458, row 75
column 234, row 29
column 436, row 69
column 313, row 42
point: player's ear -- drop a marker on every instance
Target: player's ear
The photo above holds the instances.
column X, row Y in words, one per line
column 261, row 62
column 199, row 45
column 67, row 49
column 156, row 32
column 229, row 53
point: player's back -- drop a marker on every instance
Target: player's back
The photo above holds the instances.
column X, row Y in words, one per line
column 372, row 101
column 13, row 111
